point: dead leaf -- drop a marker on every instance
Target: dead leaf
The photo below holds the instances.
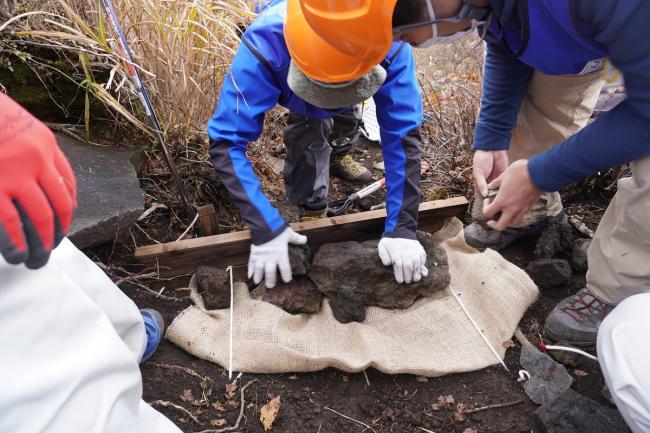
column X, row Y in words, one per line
column 187, row 395
column 470, row 430
column 459, row 414
column 231, row 390
column 580, row 373
column 443, row 401
column 218, row 406
column 232, row 403
column 507, row 345
column 345, row 378
column 293, row 377
column 218, row 422
column 269, row 412
column 421, row 379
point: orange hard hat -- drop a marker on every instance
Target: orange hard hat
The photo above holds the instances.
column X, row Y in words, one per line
column 338, row 40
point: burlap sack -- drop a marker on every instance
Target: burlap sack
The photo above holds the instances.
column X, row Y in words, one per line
column 431, row 338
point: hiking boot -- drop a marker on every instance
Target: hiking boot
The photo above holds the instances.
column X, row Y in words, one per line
column 305, row 214
column 481, row 237
column 348, row 169
column 576, row 319
column 154, row 326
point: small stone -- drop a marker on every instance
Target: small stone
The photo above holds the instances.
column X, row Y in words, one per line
column 556, row 238
column 356, row 266
column 299, row 257
column 347, row 306
column 477, row 207
column 575, row 413
column 549, row 273
column 548, row 379
column 214, row 286
column 579, row 255
column 299, row 295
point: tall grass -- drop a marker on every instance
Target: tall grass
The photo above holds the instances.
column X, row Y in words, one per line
column 182, row 49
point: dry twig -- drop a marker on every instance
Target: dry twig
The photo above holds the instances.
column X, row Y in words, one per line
column 580, row 226
column 178, row 367
column 494, row 406
column 241, row 413
column 351, row 419
column 166, row 403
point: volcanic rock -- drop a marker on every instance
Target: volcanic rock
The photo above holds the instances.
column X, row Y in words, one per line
column 356, row 267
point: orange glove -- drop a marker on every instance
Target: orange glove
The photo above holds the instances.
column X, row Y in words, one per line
column 38, row 192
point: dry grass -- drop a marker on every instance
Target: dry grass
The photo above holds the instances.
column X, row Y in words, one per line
column 450, row 78
column 182, row 49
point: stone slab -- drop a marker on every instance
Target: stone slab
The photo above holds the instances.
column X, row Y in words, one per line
column 108, row 191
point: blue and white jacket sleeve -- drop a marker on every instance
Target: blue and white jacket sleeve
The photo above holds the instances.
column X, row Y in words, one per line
column 399, row 113
column 248, row 92
column 623, row 134
column 505, row 80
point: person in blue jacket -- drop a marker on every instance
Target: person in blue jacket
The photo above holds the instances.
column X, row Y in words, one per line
column 543, row 74
column 262, row 75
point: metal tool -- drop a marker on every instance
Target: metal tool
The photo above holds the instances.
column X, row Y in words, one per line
column 146, row 101
column 339, row 207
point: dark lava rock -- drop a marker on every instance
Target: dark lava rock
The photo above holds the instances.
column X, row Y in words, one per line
column 579, row 255
column 549, row 273
column 214, row 286
column 575, row 413
column 356, row 266
column 347, row 307
column 548, row 379
column 299, row 257
column 556, row 238
column 299, row 295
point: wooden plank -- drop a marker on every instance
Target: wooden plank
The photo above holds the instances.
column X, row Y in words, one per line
column 232, row 248
column 208, row 219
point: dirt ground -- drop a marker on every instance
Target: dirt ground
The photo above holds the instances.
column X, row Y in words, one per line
column 325, row 401
column 333, row 401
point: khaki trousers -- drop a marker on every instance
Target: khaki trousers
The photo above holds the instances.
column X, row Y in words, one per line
column 554, row 108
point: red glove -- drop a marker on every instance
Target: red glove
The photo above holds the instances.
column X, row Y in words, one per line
column 38, row 192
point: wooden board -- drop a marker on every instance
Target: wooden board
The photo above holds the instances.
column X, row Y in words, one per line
column 232, row 248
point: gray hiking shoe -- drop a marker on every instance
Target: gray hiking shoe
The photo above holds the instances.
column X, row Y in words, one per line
column 345, row 167
column 481, row 237
column 576, row 319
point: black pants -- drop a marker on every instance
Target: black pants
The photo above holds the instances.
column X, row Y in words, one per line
column 309, row 143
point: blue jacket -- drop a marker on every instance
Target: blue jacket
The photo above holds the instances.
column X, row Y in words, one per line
column 257, row 81
column 568, row 37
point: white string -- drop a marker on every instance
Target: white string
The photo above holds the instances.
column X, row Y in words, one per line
column 571, row 349
column 478, row 329
column 232, row 308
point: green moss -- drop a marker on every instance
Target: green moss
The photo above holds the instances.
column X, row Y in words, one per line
column 41, row 87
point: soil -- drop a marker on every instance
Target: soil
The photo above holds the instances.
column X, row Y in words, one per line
column 334, row 401
column 325, row 401
column 386, row 403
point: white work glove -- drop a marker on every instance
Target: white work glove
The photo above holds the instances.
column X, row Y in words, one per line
column 265, row 258
column 407, row 257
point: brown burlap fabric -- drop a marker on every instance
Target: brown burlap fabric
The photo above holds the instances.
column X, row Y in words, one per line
column 431, row 338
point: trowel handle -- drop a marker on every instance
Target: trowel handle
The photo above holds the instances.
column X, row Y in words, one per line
column 370, row 189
